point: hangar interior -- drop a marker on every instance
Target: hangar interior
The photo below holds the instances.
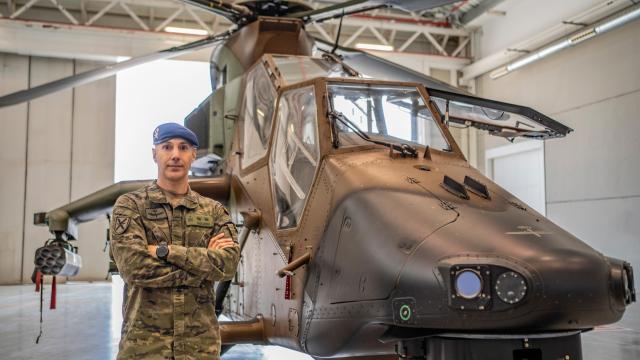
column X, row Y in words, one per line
column 62, row 146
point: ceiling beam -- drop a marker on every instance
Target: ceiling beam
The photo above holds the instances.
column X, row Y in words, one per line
column 199, row 20
column 79, row 42
column 400, row 26
column 102, row 11
column 409, row 41
column 134, row 16
column 64, row 12
column 168, row 20
column 435, row 44
column 24, row 8
column 540, row 38
column 354, row 36
column 461, row 46
column 417, row 61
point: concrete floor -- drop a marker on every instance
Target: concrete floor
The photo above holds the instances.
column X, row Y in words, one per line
column 86, row 325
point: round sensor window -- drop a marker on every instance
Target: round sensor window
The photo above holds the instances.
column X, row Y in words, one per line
column 468, row 284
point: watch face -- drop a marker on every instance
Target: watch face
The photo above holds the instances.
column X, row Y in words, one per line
column 162, row 251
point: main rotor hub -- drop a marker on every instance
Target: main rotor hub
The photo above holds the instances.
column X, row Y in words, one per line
column 275, row 8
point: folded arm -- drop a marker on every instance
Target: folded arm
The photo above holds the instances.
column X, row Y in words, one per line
column 214, row 264
column 129, row 248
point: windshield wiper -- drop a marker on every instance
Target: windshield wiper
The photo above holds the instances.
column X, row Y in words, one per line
column 404, row 149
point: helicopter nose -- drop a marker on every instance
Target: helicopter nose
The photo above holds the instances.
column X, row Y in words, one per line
column 622, row 282
column 398, row 260
column 467, row 268
column 553, row 281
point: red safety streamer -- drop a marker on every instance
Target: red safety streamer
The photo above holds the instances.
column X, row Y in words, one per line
column 38, row 279
column 52, row 306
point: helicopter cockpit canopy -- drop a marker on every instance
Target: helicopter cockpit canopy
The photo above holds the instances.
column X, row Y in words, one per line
column 392, row 113
column 456, row 107
column 400, row 111
column 498, row 118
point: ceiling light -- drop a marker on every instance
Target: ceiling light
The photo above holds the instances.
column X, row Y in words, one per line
column 501, row 71
column 374, row 47
column 188, row 31
column 582, row 36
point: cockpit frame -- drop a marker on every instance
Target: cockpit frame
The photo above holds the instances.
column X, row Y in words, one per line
column 325, row 134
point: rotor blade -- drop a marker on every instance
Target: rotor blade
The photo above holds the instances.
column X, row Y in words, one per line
column 344, row 12
column 356, row 6
column 332, row 8
column 418, row 5
column 235, row 13
column 104, row 72
column 382, row 69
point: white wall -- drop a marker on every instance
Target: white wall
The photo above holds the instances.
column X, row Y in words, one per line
column 14, row 75
column 519, row 169
column 525, row 19
column 591, row 175
column 56, row 149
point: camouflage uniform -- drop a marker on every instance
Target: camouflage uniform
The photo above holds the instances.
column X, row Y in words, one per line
column 169, row 312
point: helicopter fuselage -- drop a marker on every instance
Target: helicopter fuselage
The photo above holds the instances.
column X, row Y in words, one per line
column 399, row 251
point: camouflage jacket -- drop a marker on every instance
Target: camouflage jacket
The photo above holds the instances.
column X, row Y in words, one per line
column 169, row 311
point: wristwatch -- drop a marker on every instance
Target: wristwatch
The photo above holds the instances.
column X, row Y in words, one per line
column 162, row 251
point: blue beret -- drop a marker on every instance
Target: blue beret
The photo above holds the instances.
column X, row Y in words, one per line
column 170, row 131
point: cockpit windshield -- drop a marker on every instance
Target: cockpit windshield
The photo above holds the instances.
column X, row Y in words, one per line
column 395, row 114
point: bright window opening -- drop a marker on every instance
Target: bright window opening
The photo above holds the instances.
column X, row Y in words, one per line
column 147, row 96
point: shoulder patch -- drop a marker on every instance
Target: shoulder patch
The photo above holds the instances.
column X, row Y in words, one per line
column 121, row 224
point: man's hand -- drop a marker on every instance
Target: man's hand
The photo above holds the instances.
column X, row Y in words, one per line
column 152, row 250
column 220, row 242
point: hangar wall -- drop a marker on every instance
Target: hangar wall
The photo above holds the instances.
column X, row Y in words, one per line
column 56, row 149
column 592, row 174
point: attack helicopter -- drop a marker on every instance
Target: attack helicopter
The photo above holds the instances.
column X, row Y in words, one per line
column 365, row 233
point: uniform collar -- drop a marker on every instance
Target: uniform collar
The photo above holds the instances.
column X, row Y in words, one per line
column 157, row 196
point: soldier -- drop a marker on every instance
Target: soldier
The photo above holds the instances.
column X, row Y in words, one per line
column 170, row 245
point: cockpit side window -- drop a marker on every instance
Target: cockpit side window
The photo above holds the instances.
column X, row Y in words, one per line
column 257, row 114
column 295, row 154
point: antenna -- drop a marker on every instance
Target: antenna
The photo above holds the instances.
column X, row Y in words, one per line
column 335, row 46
